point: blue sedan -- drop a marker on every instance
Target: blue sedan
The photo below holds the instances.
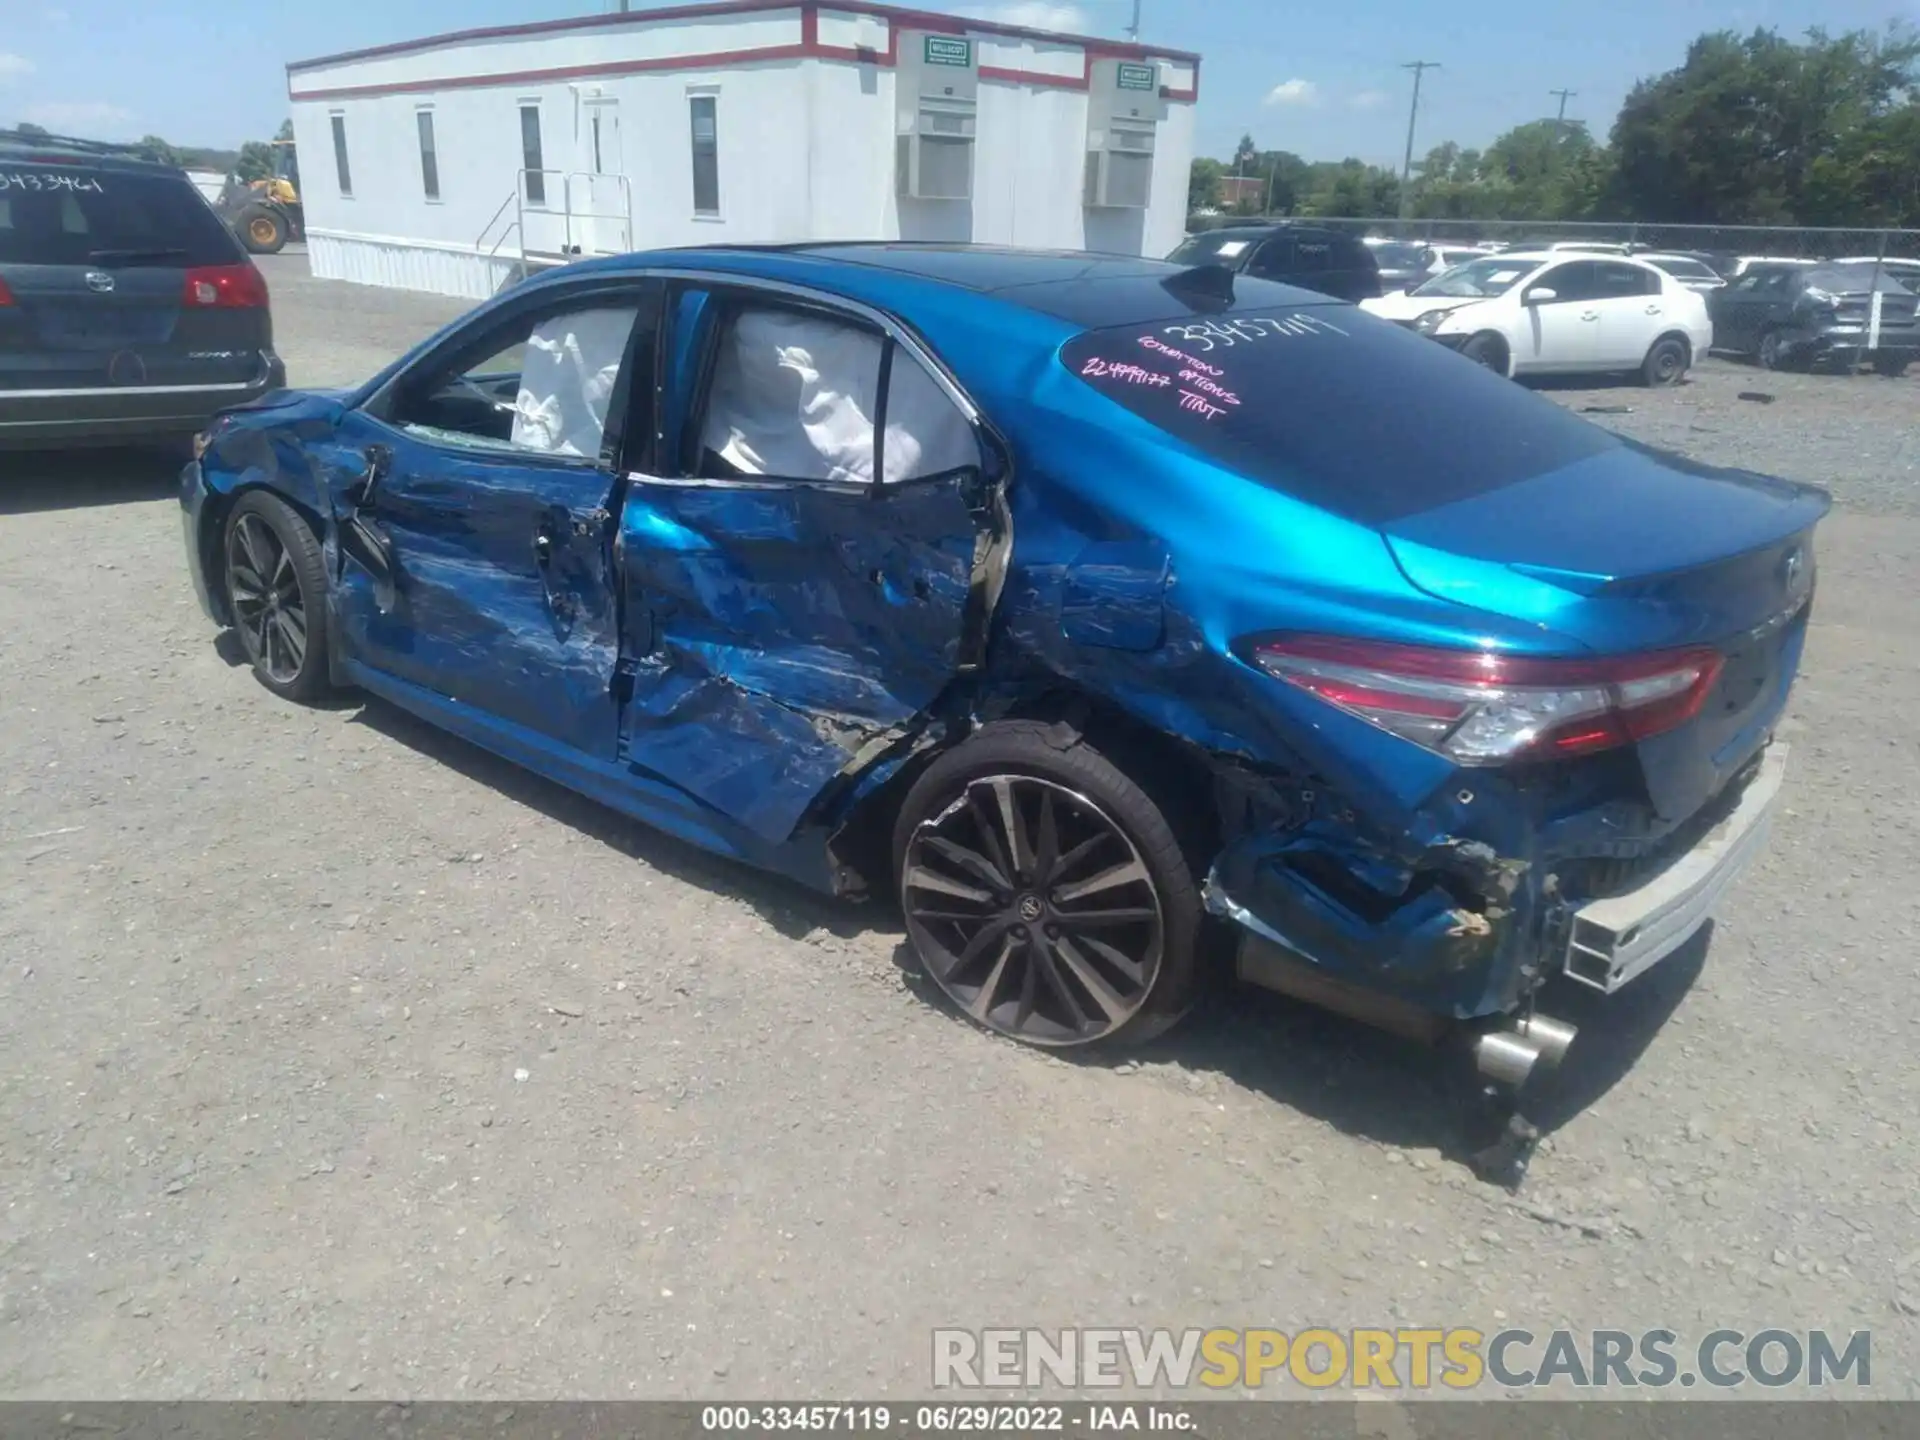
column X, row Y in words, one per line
column 1106, row 614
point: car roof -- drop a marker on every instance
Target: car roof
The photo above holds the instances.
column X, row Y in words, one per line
column 1278, row 227
column 20, row 149
column 914, row 279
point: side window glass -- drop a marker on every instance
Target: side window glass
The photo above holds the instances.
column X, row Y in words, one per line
column 1273, row 258
column 927, row 434
column 1622, row 281
column 539, row 385
column 792, row 397
column 1569, row 282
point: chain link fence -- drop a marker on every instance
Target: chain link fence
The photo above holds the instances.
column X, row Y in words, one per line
column 1794, row 242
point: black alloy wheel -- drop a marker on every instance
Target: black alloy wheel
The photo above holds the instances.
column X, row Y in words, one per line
column 276, row 593
column 1034, row 911
column 267, row 608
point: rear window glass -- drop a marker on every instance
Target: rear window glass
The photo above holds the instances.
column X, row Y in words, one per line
column 75, row 215
column 1855, row 276
column 1345, row 411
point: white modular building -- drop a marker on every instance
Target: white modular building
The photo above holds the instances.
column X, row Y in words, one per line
column 444, row 164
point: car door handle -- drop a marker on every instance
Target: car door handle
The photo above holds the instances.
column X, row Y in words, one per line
column 1589, row 314
column 1653, row 310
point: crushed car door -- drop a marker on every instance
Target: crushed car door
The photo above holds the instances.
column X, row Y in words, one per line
column 811, row 561
column 473, row 547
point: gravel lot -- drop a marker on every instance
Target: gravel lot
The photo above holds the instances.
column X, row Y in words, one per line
column 337, row 1058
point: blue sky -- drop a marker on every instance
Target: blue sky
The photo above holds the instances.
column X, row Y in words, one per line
column 1319, row 78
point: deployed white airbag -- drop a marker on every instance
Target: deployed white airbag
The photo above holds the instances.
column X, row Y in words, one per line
column 794, row 397
column 566, row 380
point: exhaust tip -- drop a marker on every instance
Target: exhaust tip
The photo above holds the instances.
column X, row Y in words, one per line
column 1553, row 1037
column 1505, row 1056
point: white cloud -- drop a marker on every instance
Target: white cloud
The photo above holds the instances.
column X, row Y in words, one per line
column 12, row 65
column 1369, row 100
column 70, row 117
column 1294, row 92
column 1034, row 14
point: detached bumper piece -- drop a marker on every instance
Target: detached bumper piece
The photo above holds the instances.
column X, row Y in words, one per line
column 1610, row 942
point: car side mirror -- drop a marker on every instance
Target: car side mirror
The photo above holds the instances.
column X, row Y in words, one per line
column 1539, row 295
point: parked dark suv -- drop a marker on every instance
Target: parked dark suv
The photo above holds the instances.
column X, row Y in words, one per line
column 1789, row 316
column 128, row 312
column 1329, row 261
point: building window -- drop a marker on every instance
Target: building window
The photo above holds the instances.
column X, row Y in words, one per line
column 340, row 154
column 530, row 154
column 429, row 161
column 706, row 154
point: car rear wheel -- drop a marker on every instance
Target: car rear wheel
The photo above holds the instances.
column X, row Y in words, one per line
column 1666, row 362
column 1892, row 366
column 276, row 593
column 262, row 231
column 1487, row 350
column 1773, row 353
column 1045, row 893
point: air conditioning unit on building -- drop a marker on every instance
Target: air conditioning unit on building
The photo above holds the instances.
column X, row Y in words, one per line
column 1124, row 111
column 937, row 85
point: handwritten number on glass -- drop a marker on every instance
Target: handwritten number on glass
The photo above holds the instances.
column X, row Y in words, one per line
column 30, row 180
column 1211, row 334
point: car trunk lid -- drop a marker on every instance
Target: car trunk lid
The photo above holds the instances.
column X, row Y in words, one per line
column 1626, row 551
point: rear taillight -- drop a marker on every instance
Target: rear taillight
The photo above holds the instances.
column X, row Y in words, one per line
column 225, row 287
column 1482, row 708
column 6, row 295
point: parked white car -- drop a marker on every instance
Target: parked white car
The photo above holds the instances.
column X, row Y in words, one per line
column 1547, row 312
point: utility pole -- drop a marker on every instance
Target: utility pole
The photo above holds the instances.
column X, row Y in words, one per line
column 1419, row 68
column 1133, row 29
column 1560, row 120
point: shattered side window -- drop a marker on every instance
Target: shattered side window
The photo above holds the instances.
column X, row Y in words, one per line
column 541, row 387
column 1346, row 411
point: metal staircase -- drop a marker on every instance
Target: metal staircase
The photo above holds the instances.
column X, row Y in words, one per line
column 594, row 217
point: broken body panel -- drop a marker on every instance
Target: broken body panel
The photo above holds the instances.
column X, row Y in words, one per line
column 745, row 664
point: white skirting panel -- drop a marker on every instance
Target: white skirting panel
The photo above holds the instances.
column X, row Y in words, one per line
column 399, row 264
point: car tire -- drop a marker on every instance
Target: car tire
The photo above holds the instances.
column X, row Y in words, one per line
column 1773, row 353
column 1666, row 362
column 1488, row 350
column 261, row 230
column 276, row 588
column 1892, row 366
column 998, row 849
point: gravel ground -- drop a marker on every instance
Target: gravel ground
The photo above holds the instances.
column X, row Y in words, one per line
column 337, row 1058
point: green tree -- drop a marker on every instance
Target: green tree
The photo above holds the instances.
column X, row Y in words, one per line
column 1203, row 184
column 285, row 132
column 26, row 129
column 1761, row 130
column 1244, row 155
column 255, row 162
column 152, row 147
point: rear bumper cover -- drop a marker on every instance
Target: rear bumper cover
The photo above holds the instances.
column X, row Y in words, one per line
column 1430, row 952
column 1611, row 941
column 1858, row 340
column 117, row 415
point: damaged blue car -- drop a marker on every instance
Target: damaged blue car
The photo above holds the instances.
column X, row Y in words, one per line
column 1090, row 607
